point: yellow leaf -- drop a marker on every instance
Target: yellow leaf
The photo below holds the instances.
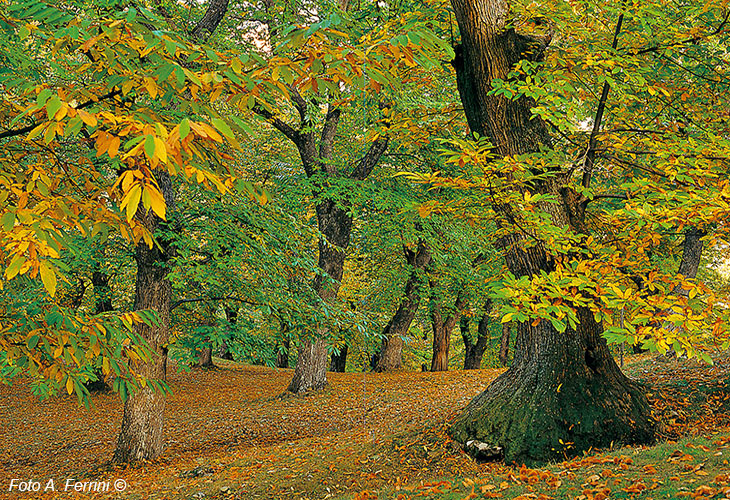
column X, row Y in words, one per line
column 87, row 118
column 157, row 201
column 507, row 317
column 48, row 276
column 113, row 147
column 69, row 385
column 160, row 150
column 131, row 200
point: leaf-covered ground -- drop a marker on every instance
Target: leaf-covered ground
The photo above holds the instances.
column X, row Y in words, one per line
column 231, row 435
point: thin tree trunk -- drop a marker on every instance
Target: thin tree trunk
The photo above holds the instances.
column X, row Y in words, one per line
column 102, row 304
column 224, row 352
column 562, row 387
column 282, row 357
column 338, row 362
column 442, row 328
column 102, row 292
column 391, row 351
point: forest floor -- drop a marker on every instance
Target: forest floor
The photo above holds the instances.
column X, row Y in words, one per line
column 230, row 435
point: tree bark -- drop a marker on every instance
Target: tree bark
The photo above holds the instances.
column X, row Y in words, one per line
column 338, row 362
column 691, row 256
column 474, row 351
column 141, row 436
column 561, row 387
column 442, row 328
column 334, row 220
column 205, row 359
column 504, row 345
column 390, row 357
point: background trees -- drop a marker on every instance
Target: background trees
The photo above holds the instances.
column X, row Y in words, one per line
column 219, row 159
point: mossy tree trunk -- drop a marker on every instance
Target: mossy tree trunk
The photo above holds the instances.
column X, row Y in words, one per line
column 561, row 387
column 390, row 357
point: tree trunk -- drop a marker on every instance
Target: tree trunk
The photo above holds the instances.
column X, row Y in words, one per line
column 334, row 220
column 141, row 436
column 205, row 359
column 282, row 357
column 562, row 387
column 691, row 256
column 391, row 350
column 474, row 351
column 339, row 361
column 442, row 328
column 102, row 304
column 224, row 352
column 310, row 373
column 102, row 292
column 504, row 345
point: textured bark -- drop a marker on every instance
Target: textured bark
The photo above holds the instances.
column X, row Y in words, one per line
column 474, row 351
column 205, row 359
column 504, row 344
column 334, row 221
column 282, row 357
column 141, row 437
column 390, row 357
column 561, row 387
column 338, row 362
column 442, row 325
column 211, row 19
column 691, row 256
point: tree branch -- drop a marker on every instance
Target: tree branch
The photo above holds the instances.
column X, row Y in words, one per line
column 371, row 158
column 590, row 156
column 28, row 128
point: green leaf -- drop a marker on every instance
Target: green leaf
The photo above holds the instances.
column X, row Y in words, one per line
column 184, row 128
column 8, row 221
column 223, row 127
column 149, row 146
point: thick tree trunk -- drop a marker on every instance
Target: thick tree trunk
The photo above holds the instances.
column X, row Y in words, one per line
column 504, row 344
column 474, row 351
column 338, row 362
column 310, row 373
column 391, row 350
column 141, row 436
column 561, row 387
column 205, row 359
